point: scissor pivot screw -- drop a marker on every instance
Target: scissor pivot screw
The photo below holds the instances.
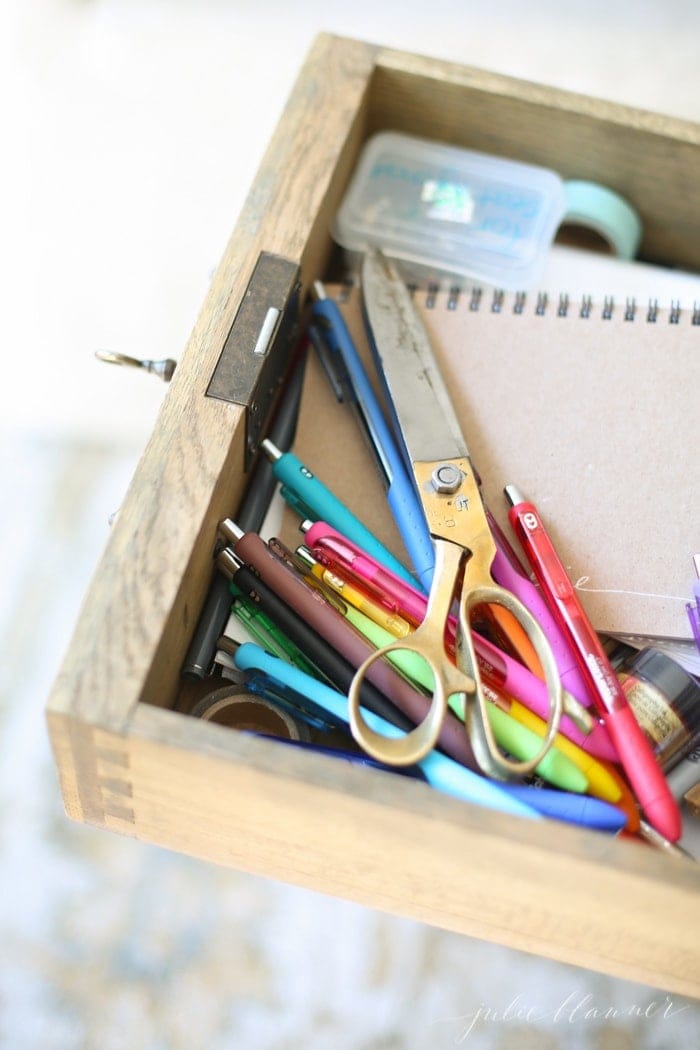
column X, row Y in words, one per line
column 446, row 478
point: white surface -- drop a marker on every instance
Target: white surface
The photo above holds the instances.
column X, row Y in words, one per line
column 133, row 131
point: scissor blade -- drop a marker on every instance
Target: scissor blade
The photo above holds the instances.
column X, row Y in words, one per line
column 423, row 408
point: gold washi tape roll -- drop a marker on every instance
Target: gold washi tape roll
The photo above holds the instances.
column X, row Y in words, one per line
column 238, row 709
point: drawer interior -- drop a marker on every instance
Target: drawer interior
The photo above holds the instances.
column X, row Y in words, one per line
column 645, row 159
column 143, row 605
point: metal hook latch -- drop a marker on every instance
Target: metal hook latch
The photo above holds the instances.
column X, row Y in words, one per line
column 163, row 369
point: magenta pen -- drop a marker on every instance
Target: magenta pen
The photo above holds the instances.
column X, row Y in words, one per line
column 498, row 669
column 508, row 571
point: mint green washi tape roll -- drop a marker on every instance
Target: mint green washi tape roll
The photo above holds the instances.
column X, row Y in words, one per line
column 607, row 213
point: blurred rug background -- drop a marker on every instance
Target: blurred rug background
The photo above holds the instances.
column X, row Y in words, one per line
column 133, row 144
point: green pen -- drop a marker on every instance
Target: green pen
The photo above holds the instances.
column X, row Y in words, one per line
column 513, row 737
column 267, row 634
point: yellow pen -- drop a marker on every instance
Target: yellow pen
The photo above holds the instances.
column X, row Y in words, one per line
column 390, row 621
column 601, row 783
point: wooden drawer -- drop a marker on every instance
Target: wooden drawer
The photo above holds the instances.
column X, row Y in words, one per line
column 129, row 763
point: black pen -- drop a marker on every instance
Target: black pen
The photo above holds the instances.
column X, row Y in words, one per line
column 251, row 513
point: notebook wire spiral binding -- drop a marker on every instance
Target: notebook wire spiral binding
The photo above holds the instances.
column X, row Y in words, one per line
column 497, row 301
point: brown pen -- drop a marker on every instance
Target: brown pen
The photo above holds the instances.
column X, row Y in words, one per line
column 312, row 607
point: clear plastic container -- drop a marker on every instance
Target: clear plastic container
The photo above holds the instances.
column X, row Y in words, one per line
column 450, row 211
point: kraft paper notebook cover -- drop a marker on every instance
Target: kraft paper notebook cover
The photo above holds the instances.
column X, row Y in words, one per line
column 593, row 417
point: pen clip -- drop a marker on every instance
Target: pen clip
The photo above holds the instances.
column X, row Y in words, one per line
column 296, row 564
column 331, row 362
column 296, row 502
column 325, row 341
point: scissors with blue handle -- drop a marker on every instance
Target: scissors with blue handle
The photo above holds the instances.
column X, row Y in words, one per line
column 448, row 491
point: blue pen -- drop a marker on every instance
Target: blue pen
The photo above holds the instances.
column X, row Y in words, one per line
column 401, row 494
column 442, row 772
column 311, row 496
column 460, row 781
column 357, row 758
column 293, row 702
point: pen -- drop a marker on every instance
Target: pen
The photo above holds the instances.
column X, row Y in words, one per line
column 323, row 655
column 392, row 622
column 301, row 707
column 508, row 571
column 401, row 495
column 266, row 632
column 634, row 752
column 340, row 553
column 496, row 668
column 442, row 772
column 600, row 782
column 310, row 605
column 693, row 608
column 319, row 502
column 312, row 722
column 626, row 800
column 252, row 511
column 358, row 758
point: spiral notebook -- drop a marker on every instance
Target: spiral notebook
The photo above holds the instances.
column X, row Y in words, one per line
column 590, row 408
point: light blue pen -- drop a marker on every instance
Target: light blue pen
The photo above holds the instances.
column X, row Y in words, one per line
column 441, row 772
column 401, row 494
column 311, row 499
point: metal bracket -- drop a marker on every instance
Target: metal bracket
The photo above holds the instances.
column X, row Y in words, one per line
column 258, row 346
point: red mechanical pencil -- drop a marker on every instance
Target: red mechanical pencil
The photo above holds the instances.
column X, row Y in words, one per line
column 635, row 754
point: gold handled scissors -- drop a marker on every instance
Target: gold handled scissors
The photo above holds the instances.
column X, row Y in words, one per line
column 449, row 494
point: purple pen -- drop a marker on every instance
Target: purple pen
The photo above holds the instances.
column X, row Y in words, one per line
column 693, row 608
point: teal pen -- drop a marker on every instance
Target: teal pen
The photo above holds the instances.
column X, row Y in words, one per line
column 311, row 499
column 439, row 770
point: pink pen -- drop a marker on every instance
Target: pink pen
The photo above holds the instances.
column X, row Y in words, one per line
column 333, row 549
column 498, row 669
column 643, row 771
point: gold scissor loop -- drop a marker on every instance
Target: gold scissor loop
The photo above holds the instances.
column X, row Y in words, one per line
column 486, row 751
column 427, row 642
